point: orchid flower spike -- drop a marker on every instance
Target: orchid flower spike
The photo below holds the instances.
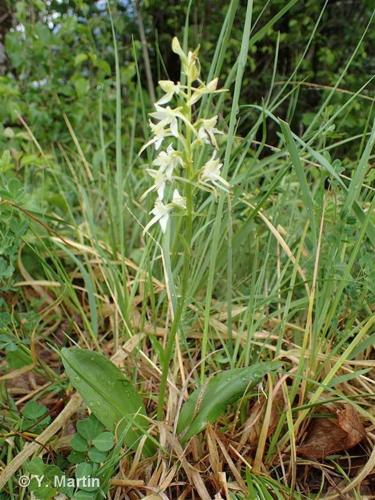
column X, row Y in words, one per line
column 179, row 136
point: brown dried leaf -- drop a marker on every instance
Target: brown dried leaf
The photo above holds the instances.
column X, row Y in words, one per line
column 254, row 424
column 331, row 435
column 350, row 422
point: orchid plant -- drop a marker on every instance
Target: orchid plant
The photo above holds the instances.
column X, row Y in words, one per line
column 187, row 161
column 178, row 138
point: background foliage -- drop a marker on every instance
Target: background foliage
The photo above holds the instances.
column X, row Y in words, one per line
column 60, row 56
column 282, row 267
column 59, row 66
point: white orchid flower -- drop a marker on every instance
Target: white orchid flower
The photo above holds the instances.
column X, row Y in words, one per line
column 160, row 132
column 211, row 173
column 178, row 200
column 170, row 88
column 210, row 88
column 207, row 131
column 169, row 117
column 168, row 160
column 160, row 180
column 161, row 215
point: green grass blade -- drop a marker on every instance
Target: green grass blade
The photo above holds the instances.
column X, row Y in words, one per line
column 359, row 174
column 298, row 167
column 89, row 286
column 217, row 226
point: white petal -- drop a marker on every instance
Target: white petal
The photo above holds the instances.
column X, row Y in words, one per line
column 153, row 221
column 174, row 128
column 163, row 221
column 212, row 139
column 210, row 122
column 178, row 200
column 159, row 115
column 169, row 172
column 166, row 98
column 212, row 85
column 166, row 85
column 146, row 193
column 160, row 190
column 195, row 97
column 158, row 143
column 176, row 47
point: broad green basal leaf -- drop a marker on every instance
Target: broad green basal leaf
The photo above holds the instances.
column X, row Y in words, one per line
column 208, row 402
column 110, row 396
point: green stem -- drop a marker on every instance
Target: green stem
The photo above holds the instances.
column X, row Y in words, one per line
column 178, row 303
column 166, row 249
column 172, row 334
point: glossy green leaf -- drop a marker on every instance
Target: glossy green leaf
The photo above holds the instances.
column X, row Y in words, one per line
column 208, row 402
column 111, row 397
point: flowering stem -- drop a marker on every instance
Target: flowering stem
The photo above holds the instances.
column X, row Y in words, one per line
column 179, row 126
column 178, row 305
column 171, row 290
column 188, row 186
column 169, row 350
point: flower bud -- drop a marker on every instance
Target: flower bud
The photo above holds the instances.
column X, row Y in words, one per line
column 177, row 49
column 212, row 85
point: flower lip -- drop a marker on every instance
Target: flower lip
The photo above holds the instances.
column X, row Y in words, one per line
column 160, row 180
column 207, row 130
column 211, row 173
column 168, row 116
column 178, row 200
column 161, row 215
column 160, row 132
column 168, row 160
